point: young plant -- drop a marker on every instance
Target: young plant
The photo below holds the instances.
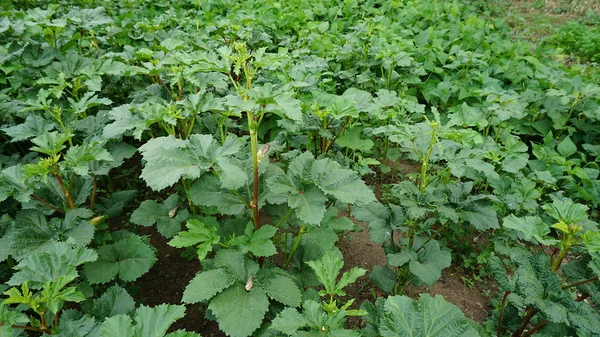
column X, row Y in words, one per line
column 426, row 317
column 237, row 291
column 536, row 299
column 413, row 258
column 327, row 318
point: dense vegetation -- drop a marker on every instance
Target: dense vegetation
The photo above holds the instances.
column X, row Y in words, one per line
column 264, row 130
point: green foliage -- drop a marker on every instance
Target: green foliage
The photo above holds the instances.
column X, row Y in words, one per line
column 309, row 182
column 578, row 39
column 129, row 257
column 166, row 216
column 238, row 292
column 326, row 319
column 169, row 159
column 267, row 128
column 428, row 316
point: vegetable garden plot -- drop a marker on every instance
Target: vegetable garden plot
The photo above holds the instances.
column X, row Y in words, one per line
column 254, row 126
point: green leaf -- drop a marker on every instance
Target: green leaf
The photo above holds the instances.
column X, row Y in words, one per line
column 156, row 321
column 167, row 216
column 169, row 159
column 383, row 220
column 73, row 323
column 117, row 326
column 206, row 285
column 207, row 192
column 34, row 233
column 232, row 261
column 351, row 139
column 592, row 241
column 482, row 217
column 327, row 270
column 309, row 181
column 486, row 168
column 497, row 269
column 57, row 260
column 566, row 147
column 88, row 100
column 54, row 293
column 343, row 184
column 79, row 158
column 289, row 321
column 401, row 258
column 430, row 263
column 283, row 290
column 128, row 258
column 309, row 205
column 566, row 210
column 257, row 242
column 289, row 106
column 197, row 233
column 114, row 301
column 530, row 227
column 149, row 321
column 33, row 126
column 50, row 143
column 427, row 317
column 239, row 312
column 384, row 277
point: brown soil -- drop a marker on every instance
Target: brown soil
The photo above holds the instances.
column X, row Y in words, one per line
column 166, row 281
column 362, row 252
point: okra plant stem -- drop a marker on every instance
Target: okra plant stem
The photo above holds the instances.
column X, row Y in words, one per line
column 301, row 232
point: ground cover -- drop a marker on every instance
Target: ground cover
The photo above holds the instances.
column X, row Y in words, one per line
column 252, row 168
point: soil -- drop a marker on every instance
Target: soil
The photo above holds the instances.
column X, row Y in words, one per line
column 360, row 251
column 166, row 281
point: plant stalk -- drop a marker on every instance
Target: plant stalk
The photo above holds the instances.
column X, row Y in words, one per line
column 503, row 305
column 529, row 313
column 423, row 183
column 287, row 214
column 254, row 148
column 296, row 244
column 47, row 203
column 93, row 201
column 567, row 286
column 64, row 190
column 337, row 135
column 535, row 328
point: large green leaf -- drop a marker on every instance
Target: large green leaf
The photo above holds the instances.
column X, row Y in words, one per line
column 207, row 192
column 167, row 216
column 308, row 182
column 33, row 232
column 128, row 258
column 149, row 321
column 56, row 260
column 427, row 317
column 430, row 262
column 169, row 159
column 33, row 126
column 206, row 285
column 283, row 290
column 258, row 242
column 289, row 321
column 530, row 227
column 383, row 220
column 155, row 321
column 239, row 312
column 114, row 301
